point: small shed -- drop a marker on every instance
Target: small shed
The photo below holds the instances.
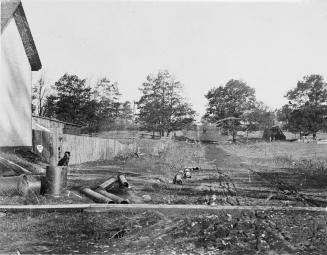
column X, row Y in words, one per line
column 273, row 133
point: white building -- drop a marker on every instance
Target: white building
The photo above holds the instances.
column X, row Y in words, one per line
column 19, row 57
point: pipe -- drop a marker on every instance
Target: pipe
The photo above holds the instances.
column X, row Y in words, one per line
column 122, row 181
column 108, row 183
column 14, row 185
column 116, row 199
column 96, row 197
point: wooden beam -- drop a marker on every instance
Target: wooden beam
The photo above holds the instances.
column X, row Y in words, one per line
column 161, row 207
column 54, row 207
column 27, row 38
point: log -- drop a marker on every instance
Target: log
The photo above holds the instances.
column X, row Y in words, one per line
column 96, row 197
column 122, row 181
column 108, row 183
column 114, row 198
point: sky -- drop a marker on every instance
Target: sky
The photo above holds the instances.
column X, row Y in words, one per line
column 269, row 44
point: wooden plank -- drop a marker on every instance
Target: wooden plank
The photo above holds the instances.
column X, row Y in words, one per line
column 198, row 208
column 161, row 207
column 27, row 38
column 54, row 207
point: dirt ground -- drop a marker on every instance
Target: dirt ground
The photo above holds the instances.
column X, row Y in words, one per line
column 226, row 179
column 150, row 232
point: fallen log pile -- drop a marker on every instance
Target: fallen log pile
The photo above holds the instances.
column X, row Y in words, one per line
column 101, row 194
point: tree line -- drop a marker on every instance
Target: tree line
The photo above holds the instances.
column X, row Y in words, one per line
column 163, row 109
column 70, row 99
column 234, row 107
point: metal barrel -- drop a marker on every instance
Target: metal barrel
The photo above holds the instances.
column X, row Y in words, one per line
column 56, row 181
column 111, row 196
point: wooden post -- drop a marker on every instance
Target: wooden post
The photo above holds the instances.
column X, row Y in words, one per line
column 53, row 159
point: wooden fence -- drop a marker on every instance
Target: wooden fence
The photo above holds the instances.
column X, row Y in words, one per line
column 85, row 148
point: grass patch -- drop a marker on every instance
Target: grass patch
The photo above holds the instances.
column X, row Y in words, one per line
column 263, row 150
column 169, row 159
column 300, row 164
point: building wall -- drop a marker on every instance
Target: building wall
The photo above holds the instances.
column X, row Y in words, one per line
column 15, row 91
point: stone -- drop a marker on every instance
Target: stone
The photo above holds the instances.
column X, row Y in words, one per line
column 146, row 198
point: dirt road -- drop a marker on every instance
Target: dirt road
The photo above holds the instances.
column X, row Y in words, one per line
column 259, row 186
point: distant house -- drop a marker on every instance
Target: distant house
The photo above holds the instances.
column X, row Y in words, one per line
column 19, row 57
column 273, row 133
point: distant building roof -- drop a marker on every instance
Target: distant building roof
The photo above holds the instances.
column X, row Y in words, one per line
column 14, row 9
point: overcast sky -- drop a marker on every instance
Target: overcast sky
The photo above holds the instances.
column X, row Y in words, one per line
column 204, row 44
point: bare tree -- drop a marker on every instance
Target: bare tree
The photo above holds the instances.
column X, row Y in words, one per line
column 40, row 91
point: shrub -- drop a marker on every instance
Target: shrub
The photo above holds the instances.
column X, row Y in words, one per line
column 311, row 166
